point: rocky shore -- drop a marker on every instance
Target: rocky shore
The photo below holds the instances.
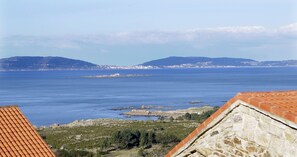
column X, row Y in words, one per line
column 171, row 113
column 146, row 107
column 143, row 111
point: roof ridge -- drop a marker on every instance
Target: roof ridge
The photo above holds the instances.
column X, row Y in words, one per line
column 270, row 92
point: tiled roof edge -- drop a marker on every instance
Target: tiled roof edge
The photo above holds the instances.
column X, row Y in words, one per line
column 270, row 107
column 9, row 106
column 202, row 126
column 245, row 97
column 46, row 151
column 49, row 152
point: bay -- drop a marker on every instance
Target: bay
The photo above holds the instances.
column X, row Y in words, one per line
column 48, row 97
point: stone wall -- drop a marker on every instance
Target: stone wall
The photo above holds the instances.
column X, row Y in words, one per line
column 246, row 131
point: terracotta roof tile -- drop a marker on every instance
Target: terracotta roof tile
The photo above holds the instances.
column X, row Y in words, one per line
column 18, row 137
column 280, row 103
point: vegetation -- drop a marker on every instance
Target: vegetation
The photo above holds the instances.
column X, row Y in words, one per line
column 198, row 117
column 166, row 139
column 119, row 138
column 130, row 138
column 74, row 153
column 107, row 138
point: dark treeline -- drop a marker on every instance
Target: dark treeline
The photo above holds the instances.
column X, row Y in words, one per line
column 198, row 117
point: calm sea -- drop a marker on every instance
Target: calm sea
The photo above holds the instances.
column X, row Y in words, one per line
column 48, row 97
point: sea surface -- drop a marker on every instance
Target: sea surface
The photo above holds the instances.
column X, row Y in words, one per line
column 48, row 97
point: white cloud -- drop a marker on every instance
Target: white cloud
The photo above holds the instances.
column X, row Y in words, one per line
column 238, row 29
column 289, row 29
column 244, row 36
column 197, row 34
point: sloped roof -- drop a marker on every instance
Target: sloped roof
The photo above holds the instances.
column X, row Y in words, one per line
column 282, row 104
column 18, row 137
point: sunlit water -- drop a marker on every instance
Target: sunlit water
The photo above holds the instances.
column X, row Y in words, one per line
column 48, row 97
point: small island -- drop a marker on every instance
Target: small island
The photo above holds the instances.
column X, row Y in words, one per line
column 117, row 75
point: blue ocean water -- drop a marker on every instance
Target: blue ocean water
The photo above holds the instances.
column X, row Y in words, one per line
column 48, row 97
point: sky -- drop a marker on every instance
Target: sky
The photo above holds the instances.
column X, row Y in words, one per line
column 130, row 32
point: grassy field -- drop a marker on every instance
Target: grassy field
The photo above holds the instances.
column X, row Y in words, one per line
column 90, row 138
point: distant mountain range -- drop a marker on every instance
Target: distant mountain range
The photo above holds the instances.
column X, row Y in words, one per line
column 60, row 63
column 43, row 63
column 196, row 62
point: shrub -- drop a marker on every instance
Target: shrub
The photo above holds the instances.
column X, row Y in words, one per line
column 74, row 153
column 143, row 139
column 199, row 117
column 188, row 116
column 130, row 138
column 166, row 139
column 105, row 144
column 126, row 139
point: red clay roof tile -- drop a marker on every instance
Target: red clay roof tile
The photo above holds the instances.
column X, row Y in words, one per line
column 18, row 137
column 280, row 103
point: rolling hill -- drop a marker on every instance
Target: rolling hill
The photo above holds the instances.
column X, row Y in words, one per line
column 43, row 63
column 188, row 62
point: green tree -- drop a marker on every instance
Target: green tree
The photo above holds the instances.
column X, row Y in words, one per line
column 143, row 139
column 188, row 116
column 151, row 138
column 126, row 138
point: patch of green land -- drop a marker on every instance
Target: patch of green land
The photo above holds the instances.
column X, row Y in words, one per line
column 106, row 136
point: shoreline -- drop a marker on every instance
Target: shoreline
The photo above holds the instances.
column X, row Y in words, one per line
column 167, row 114
column 145, row 112
column 94, row 69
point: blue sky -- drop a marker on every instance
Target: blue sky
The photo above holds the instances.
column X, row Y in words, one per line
column 129, row 32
